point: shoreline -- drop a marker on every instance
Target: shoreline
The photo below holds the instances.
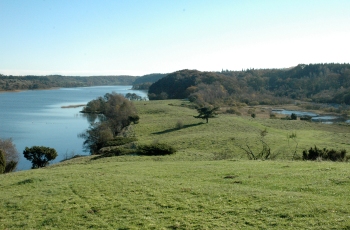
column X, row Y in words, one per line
column 72, row 106
column 22, row 90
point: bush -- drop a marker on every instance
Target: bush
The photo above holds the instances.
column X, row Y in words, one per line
column 11, row 166
column 293, row 116
column 251, row 111
column 179, row 124
column 118, row 141
column 10, row 153
column 324, row 154
column 156, row 149
column 306, row 118
column 117, row 152
column 2, row 162
column 253, row 103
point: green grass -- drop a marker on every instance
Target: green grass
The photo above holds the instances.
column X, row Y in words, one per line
column 222, row 135
column 151, row 194
column 192, row 189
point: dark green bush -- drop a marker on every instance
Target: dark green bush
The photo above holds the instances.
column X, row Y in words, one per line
column 293, row 116
column 306, row 118
column 2, row 162
column 118, row 141
column 117, row 152
column 11, row 166
column 156, row 149
column 324, row 154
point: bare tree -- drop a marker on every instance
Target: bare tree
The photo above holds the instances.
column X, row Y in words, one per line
column 11, row 154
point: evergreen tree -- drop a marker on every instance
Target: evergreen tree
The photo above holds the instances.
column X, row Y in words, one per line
column 206, row 113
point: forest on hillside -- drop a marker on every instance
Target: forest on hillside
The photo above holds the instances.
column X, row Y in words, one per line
column 323, row 83
column 144, row 82
column 10, row 83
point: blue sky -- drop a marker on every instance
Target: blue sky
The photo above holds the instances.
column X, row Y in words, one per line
column 134, row 37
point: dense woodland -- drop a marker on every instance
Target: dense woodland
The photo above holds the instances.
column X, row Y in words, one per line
column 9, row 83
column 144, row 82
column 324, row 83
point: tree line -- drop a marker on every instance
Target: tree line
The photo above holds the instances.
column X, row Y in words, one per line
column 324, row 83
column 9, row 83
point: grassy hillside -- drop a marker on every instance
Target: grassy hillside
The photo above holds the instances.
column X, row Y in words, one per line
column 222, row 135
column 207, row 184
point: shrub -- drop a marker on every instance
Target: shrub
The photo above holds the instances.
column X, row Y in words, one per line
column 118, row 141
column 324, row 154
column 11, row 166
column 253, row 103
column 10, row 152
column 251, row 111
column 293, row 116
column 306, row 118
column 2, row 162
column 179, row 124
column 232, row 110
column 156, row 149
column 117, row 152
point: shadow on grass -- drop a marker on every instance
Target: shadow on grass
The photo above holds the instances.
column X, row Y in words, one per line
column 175, row 129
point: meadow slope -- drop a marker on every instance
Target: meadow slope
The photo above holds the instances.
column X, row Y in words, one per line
column 208, row 183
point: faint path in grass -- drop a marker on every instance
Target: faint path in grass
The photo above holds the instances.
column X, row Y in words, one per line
column 176, row 129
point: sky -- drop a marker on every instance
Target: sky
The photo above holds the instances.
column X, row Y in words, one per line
column 134, row 37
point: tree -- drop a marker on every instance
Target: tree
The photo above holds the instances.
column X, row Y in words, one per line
column 133, row 97
column 11, row 154
column 206, row 113
column 96, row 136
column 40, row 156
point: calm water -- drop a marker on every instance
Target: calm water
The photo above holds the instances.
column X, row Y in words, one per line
column 328, row 119
column 36, row 118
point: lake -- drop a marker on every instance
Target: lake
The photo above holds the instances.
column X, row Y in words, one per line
column 36, row 118
column 327, row 119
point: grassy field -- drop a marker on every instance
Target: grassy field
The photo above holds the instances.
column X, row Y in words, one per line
column 207, row 184
column 221, row 136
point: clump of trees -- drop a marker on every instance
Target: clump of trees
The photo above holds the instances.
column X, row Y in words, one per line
column 324, row 154
column 10, row 154
column 326, row 83
column 115, row 113
column 133, row 97
column 40, row 156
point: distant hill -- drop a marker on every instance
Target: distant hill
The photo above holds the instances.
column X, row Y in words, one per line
column 8, row 83
column 145, row 81
column 178, row 85
column 326, row 83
